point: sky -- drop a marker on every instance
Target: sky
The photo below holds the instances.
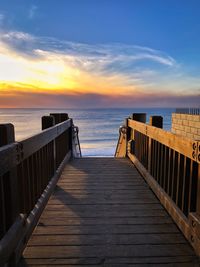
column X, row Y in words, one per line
column 99, row 53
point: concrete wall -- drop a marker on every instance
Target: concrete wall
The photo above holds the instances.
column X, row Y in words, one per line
column 186, row 125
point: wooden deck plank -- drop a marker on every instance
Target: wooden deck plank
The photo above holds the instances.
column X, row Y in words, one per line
column 99, row 229
column 120, row 265
column 103, row 213
column 104, row 207
column 176, row 261
column 109, row 221
column 106, row 201
column 106, row 250
column 115, row 239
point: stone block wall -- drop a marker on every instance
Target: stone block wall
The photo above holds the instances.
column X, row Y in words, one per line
column 186, row 125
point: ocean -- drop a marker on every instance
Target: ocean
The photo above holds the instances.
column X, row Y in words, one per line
column 98, row 128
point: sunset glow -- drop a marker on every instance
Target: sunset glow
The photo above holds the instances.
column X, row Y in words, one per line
column 34, row 69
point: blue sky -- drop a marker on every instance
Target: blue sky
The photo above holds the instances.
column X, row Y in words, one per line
column 171, row 26
column 157, row 40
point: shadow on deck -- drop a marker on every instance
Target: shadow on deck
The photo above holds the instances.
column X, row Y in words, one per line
column 103, row 213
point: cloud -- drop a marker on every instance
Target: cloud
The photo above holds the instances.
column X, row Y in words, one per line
column 32, row 11
column 15, row 38
column 126, row 64
column 95, row 100
column 103, row 54
column 99, row 73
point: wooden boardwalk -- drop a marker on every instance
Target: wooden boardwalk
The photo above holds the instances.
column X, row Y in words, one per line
column 103, row 213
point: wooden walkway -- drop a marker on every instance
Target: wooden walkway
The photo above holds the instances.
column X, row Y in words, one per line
column 102, row 213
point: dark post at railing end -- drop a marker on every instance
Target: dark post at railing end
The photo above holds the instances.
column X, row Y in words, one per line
column 9, row 181
column 7, row 134
column 47, row 122
column 59, row 117
column 141, row 117
column 156, row 121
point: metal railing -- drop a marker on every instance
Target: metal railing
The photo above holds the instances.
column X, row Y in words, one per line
column 76, row 148
column 191, row 111
column 121, row 148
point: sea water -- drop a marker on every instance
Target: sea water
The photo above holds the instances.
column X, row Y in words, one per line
column 98, row 128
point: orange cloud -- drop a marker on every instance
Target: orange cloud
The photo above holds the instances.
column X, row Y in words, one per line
column 25, row 99
column 36, row 72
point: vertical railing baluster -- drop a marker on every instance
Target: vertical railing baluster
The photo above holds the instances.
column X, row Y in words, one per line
column 190, row 186
column 178, row 179
column 194, row 199
column 154, row 159
column 9, row 185
column 2, row 209
column 158, row 163
column 175, row 177
column 183, row 184
column 156, row 121
column 151, row 158
column 165, row 168
column 180, row 182
column 170, row 161
column 157, row 160
column 162, row 158
column 187, row 187
column 31, row 173
column 149, row 155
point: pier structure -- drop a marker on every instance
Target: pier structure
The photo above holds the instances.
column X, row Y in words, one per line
column 139, row 208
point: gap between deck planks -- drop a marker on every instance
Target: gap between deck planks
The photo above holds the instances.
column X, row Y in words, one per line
column 102, row 213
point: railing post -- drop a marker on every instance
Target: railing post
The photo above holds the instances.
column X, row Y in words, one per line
column 58, row 118
column 141, row 117
column 9, row 180
column 47, row 122
column 64, row 117
column 156, row 121
column 7, row 134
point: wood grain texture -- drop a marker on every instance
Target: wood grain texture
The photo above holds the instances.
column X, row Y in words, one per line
column 103, row 213
column 183, row 145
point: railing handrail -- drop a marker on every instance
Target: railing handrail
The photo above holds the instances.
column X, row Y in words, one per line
column 11, row 155
column 11, row 239
column 170, row 164
column 29, row 171
column 183, row 145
